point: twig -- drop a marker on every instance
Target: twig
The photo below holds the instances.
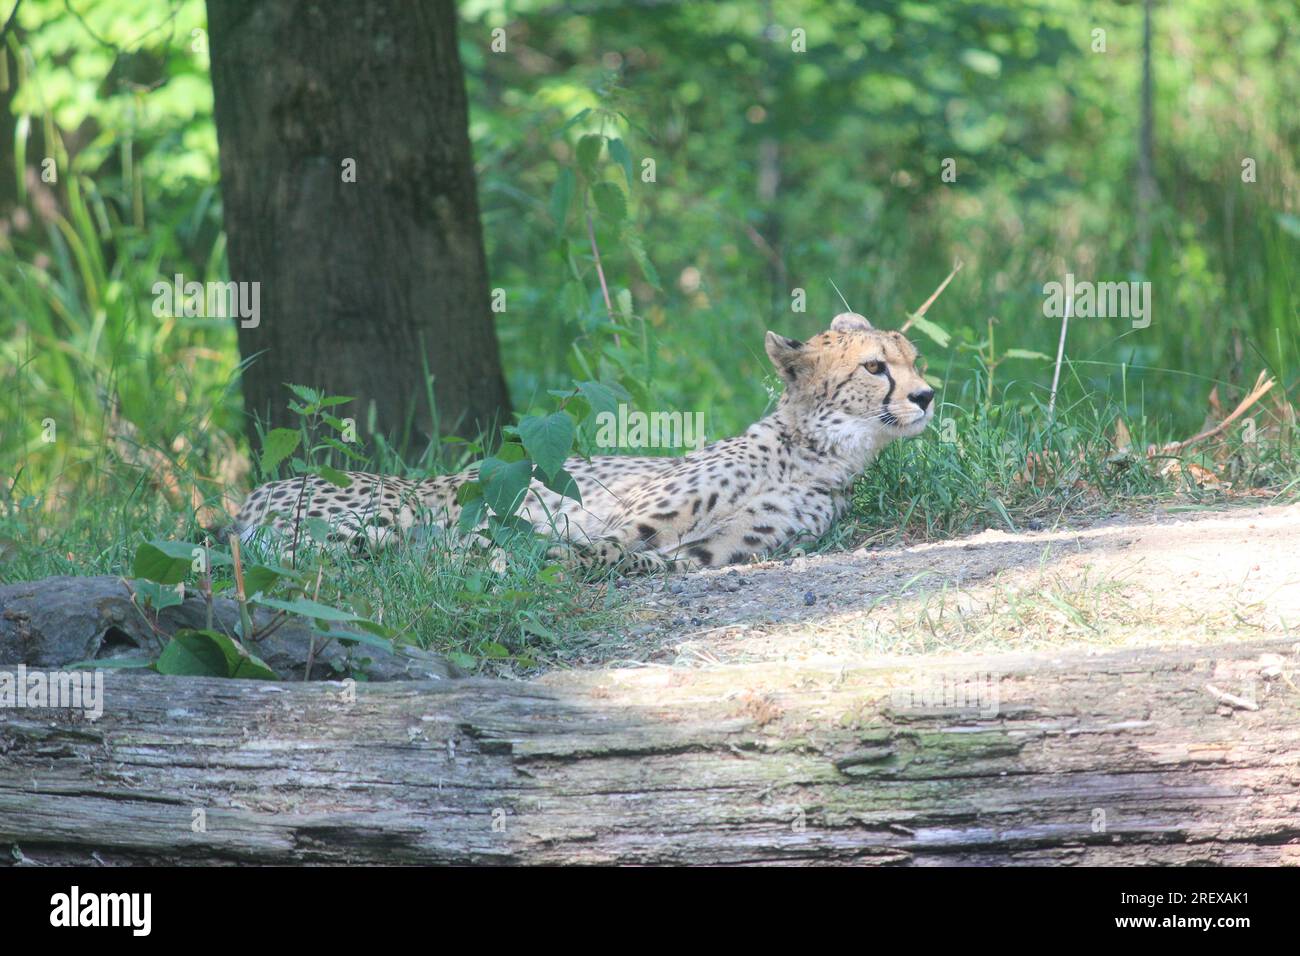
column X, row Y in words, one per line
column 925, row 306
column 1261, row 388
column 1232, row 700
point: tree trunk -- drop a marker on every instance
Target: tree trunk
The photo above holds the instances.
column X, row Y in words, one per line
column 1061, row 757
column 1147, row 191
column 362, row 283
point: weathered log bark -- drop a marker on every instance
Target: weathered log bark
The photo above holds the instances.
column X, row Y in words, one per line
column 1124, row 757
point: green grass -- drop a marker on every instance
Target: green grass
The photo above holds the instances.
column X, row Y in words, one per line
column 1011, row 466
column 147, row 441
column 118, row 427
column 528, row 615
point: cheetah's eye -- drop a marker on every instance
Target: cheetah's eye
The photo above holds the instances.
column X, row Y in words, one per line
column 874, row 367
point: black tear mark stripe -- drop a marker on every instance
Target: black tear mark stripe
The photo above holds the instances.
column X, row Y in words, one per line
column 890, row 393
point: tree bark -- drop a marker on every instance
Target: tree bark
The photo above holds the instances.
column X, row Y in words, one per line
column 362, row 283
column 1121, row 758
column 1147, row 191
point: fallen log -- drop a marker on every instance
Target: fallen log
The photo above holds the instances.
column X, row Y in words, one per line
column 1115, row 758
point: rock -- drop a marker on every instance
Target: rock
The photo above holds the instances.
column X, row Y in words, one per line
column 61, row 620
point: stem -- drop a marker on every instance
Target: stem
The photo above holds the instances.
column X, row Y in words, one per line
column 207, row 579
column 992, row 364
column 135, row 603
column 276, row 623
column 925, row 306
column 245, row 619
column 311, row 643
column 595, row 254
column 1060, row 354
column 297, row 524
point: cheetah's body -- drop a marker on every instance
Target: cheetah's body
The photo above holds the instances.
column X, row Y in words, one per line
column 784, row 481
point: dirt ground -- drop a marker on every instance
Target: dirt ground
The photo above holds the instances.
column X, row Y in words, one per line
column 1163, row 578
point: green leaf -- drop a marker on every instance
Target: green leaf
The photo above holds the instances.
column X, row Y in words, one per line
column 576, row 118
column 1025, row 354
column 471, row 514
column 491, row 649
column 561, row 483
column 637, row 250
column 511, row 451
column 589, row 147
column 166, row 562
column 374, row 627
column 359, row 637
column 610, row 202
column 466, row 662
column 249, row 666
column 332, row 475
column 934, row 333
column 601, row 397
column 156, row 595
column 209, row 654
column 308, row 608
column 548, row 439
column 318, row 529
column 530, row 623
column 505, row 530
column 342, row 448
column 263, row 577
column 308, row 395
column 278, row 445
column 618, row 152
column 562, row 197
column 505, row 484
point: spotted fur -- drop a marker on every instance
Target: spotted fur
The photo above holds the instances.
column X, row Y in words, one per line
column 849, row 391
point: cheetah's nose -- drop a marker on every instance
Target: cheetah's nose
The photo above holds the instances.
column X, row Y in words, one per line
column 922, row 398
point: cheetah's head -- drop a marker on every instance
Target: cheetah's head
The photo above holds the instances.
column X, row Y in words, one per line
column 857, row 385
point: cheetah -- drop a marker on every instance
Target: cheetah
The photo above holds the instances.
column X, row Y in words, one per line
column 848, row 392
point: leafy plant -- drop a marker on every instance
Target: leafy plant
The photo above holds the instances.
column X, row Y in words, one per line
column 161, row 569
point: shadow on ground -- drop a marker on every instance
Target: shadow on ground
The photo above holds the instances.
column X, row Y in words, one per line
column 1164, row 578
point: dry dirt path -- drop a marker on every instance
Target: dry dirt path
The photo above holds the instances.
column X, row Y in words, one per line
column 1163, row 578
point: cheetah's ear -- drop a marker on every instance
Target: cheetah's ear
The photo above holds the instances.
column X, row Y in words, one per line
column 786, row 354
column 850, row 322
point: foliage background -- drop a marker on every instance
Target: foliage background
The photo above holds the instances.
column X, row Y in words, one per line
column 776, row 170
